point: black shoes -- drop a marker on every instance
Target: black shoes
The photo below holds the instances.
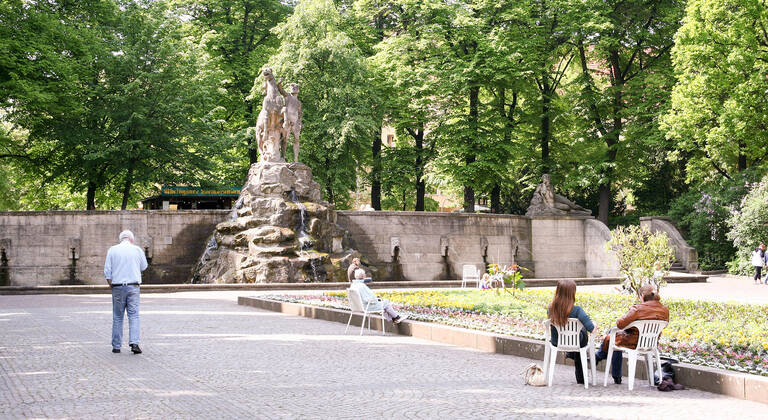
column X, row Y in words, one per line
column 115, row 350
column 617, row 380
column 135, row 349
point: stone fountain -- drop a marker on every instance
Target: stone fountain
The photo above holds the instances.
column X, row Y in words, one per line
column 280, row 229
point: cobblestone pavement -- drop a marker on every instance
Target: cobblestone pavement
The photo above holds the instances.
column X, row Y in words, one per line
column 206, row 357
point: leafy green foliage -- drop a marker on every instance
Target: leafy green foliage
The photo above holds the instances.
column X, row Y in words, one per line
column 339, row 118
column 643, row 257
column 703, row 215
column 719, row 107
column 119, row 99
column 748, row 225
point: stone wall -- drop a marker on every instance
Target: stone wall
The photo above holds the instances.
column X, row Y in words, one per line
column 40, row 247
column 435, row 246
column 600, row 262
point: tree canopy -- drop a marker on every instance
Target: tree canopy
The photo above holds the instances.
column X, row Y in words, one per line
column 639, row 107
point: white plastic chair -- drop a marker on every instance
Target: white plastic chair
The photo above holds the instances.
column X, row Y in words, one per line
column 647, row 344
column 568, row 340
column 469, row 273
column 356, row 307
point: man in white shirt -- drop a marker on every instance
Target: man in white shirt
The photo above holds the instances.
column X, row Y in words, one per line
column 371, row 301
column 122, row 269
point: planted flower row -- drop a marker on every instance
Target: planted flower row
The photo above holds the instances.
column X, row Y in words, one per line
column 722, row 335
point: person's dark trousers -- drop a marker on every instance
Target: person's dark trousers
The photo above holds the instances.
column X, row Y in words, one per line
column 576, row 356
column 758, row 273
column 615, row 361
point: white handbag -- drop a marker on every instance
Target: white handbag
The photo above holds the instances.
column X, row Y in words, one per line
column 534, row 375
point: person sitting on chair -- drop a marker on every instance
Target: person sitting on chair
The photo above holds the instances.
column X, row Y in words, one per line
column 485, row 281
column 649, row 309
column 563, row 307
column 376, row 304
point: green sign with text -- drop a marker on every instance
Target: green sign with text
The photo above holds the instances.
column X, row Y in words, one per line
column 177, row 191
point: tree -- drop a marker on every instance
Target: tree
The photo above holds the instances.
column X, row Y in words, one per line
column 720, row 103
column 624, row 60
column 56, row 53
column 238, row 34
column 643, row 257
column 339, row 108
column 109, row 100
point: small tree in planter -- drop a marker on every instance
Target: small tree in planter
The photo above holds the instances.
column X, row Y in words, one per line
column 508, row 278
column 644, row 257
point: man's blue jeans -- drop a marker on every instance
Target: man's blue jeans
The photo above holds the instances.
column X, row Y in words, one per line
column 125, row 299
column 615, row 362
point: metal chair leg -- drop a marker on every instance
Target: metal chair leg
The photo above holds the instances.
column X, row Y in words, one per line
column 348, row 322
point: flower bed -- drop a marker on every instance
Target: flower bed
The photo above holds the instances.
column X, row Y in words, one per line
column 721, row 335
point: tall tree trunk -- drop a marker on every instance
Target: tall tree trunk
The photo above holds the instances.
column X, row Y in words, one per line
column 376, row 171
column 546, row 103
column 469, row 159
column 612, row 139
column 496, row 198
column 328, row 188
column 421, row 186
column 253, row 147
column 90, row 196
column 127, row 185
column 742, row 162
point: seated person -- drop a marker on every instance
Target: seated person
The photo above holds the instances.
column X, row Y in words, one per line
column 485, row 281
column 563, row 307
column 376, row 304
column 649, row 309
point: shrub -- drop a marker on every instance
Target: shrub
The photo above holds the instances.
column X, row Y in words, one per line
column 644, row 257
column 749, row 225
column 703, row 216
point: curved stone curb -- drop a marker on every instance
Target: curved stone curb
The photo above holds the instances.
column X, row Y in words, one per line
column 718, row 381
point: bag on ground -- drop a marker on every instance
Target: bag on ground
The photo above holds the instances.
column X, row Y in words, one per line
column 534, row 375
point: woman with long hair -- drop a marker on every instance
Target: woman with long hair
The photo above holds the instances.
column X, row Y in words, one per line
column 563, row 307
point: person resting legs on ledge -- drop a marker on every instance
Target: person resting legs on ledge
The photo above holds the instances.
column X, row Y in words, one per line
column 563, row 307
column 485, row 281
column 376, row 304
column 649, row 309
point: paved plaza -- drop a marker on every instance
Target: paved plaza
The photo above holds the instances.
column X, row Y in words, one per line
column 738, row 289
column 206, row 357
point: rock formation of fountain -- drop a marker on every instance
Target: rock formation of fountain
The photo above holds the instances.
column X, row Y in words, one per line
column 280, row 231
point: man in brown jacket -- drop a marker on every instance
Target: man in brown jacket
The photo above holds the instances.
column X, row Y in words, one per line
column 649, row 309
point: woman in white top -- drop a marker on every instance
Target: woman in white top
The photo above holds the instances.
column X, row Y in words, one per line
column 759, row 260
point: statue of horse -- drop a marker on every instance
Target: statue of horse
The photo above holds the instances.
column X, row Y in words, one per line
column 269, row 125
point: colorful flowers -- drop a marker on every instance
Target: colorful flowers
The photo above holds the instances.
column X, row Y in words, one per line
column 721, row 335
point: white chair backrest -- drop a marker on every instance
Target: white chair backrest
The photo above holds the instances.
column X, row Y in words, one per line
column 469, row 272
column 568, row 335
column 650, row 330
column 355, row 301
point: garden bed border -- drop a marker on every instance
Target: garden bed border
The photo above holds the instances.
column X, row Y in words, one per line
column 718, row 381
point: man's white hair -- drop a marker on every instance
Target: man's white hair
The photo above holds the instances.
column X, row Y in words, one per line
column 127, row 234
column 359, row 274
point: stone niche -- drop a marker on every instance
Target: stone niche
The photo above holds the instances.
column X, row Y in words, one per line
column 280, row 231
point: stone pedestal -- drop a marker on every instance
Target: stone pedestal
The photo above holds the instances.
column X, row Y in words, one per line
column 557, row 245
column 280, row 231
